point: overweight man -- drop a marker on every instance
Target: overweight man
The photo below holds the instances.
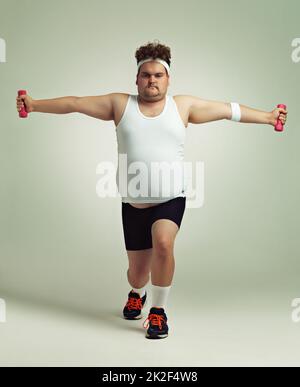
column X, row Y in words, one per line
column 151, row 128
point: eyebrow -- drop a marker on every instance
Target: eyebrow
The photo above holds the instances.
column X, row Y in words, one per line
column 144, row 72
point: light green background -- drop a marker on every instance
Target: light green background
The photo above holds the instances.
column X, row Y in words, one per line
column 61, row 243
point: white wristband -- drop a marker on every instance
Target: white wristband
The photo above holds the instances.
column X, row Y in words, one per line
column 236, row 111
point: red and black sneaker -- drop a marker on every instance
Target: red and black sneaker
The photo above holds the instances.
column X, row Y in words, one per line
column 156, row 324
column 133, row 308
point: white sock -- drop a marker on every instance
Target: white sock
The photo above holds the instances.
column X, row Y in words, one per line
column 160, row 295
column 140, row 291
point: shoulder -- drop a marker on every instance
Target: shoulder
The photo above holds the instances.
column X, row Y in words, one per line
column 183, row 100
column 182, row 97
column 119, row 101
column 119, row 97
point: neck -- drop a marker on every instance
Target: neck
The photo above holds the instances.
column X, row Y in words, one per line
column 150, row 103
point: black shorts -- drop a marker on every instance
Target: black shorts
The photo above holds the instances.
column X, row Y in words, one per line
column 137, row 222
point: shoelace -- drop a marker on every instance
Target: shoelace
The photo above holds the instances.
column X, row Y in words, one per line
column 155, row 319
column 134, row 303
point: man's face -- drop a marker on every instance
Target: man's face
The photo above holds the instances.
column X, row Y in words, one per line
column 152, row 81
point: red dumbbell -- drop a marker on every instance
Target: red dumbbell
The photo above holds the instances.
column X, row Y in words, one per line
column 279, row 126
column 22, row 113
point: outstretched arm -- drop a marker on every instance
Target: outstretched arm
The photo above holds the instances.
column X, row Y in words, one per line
column 100, row 106
column 201, row 111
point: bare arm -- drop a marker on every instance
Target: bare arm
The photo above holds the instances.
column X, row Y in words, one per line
column 62, row 105
column 254, row 116
column 201, row 110
column 100, row 106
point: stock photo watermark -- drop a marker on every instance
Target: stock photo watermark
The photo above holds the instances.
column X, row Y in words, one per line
column 2, row 51
column 296, row 52
column 296, row 310
column 158, row 181
column 2, row 311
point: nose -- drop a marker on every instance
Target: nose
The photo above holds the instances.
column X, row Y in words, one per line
column 151, row 79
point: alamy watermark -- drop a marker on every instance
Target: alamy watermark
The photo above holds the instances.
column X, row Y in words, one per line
column 296, row 310
column 2, row 311
column 2, row 51
column 157, row 180
column 296, row 52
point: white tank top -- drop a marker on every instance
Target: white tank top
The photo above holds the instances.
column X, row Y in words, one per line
column 150, row 154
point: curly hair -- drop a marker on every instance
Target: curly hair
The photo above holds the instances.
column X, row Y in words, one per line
column 153, row 50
